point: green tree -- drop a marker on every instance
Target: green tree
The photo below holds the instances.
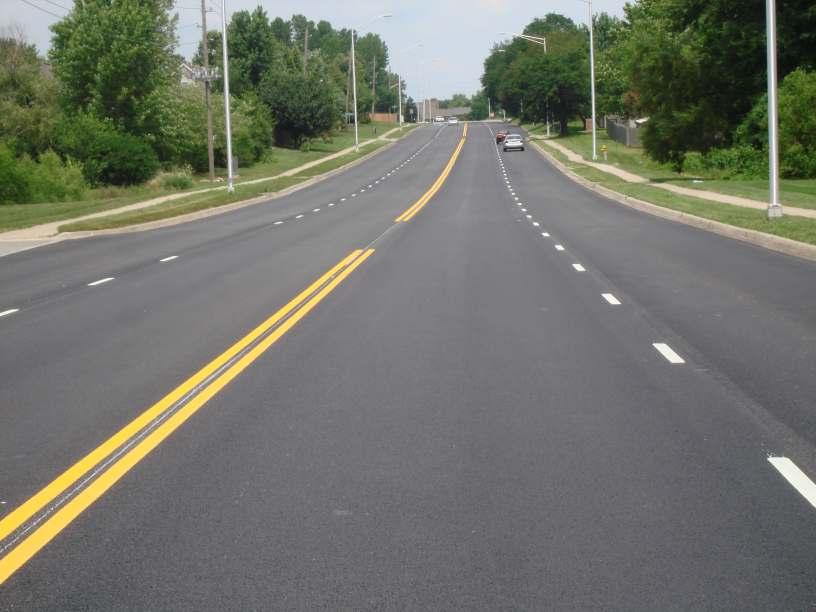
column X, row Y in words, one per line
column 28, row 106
column 110, row 57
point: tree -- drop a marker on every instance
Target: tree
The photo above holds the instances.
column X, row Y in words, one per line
column 28, row 107
column 110, row 57
column 478, row 107
column 304, row 106
column 252, row 49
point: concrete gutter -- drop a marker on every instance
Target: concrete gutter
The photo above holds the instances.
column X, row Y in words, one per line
column 767, row 241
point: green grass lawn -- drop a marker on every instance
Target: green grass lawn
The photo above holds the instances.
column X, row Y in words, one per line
column 795, row 228
column 18, row 216
column 800, row 193
column 211, row 199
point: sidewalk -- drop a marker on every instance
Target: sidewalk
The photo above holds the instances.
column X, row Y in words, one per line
column 29, row 237
column 713, row 196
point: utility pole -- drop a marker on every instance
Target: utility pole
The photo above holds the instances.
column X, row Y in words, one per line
column 305, row 48
column 399, row 97
column 373, row 85
column 206, row 53
column 592, row 79
column 230, row 185
column 774, row 207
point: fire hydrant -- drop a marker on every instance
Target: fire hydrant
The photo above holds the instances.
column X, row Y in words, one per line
column 604, row 150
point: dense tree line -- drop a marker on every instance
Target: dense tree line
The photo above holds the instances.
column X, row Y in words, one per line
column 695, row 69
column 107, row 106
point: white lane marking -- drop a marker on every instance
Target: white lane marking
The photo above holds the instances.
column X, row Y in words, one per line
column 353, row 195
column 171, row 258
column 611, row 299
column 278, row 222
column 518, row 203
column 668, row 352
column 362, row 190
column 523, row 209
column 515, row 197
column 559, row 247
column 316, row 210
column 377, row 182
column 331, row 204
column 528, row 216
column 579, row 267
column 9, row 311
column 101, row 281
column 796, row 477
column 342, row 199
column 536, row 224
column 368, row 186
column 299, row 217
column 512, row 192
column 545, row 234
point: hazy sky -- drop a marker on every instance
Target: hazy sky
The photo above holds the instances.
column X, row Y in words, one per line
column 456, row 35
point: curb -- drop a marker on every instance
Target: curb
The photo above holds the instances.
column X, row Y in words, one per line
column 761, row 239
column 218, row 210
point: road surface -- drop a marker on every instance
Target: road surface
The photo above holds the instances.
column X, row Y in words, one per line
column 447, row 378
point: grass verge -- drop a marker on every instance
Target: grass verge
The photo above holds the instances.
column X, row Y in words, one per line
column 212, row 199
column 795, row 228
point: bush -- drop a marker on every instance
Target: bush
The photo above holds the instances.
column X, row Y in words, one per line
column 797, row 125
column 108, row 156
column 22, row 180
column 177, row 180
column 738, row 161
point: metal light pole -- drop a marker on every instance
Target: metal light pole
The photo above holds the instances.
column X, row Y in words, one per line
column 354, row 78
column 592, row 79
column 399, row 80
column 230, row 185
column 206, row 61
column 774, row 207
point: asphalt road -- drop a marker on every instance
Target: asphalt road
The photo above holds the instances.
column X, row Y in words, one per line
column 525, row 397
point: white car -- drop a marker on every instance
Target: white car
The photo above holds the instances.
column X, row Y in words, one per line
column 513, row 141
column 453, row 120
column 439, row 120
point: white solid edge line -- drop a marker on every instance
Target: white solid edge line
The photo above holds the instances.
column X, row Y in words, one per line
column 171, row 258
column 796, row 477
column 558, row 247
column 100, row 281
column 668, row 352
column 578, row 267
column 611, row 299
column 9, row 311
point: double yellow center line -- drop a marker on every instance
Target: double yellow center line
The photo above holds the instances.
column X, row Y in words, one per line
column 412, row 210
column 37, row 521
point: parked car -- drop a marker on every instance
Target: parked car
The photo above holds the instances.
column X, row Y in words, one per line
column 513, row 141
column 453, row 120
column 500, row 136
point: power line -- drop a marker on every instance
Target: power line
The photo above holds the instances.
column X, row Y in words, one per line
column 65, row 8
column 39, row 8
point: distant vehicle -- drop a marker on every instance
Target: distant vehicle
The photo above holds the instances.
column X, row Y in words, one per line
column 513, row 141
column 453, row 120
column 500, row 136
column 439, row 119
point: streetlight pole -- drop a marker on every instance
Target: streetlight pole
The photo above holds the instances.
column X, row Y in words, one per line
column 399, row 80
column 354, row 79
column 774, row 207
column 230, row 185
column 207, row 76
column 592, row 77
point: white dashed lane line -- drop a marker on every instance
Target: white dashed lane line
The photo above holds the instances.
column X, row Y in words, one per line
column 545, row 234
column 278, row 222
column 559, row 247
column 578, row 267
column 5, row 313
column 668, row 352
column 536, row 224
column 316, row 210
column 611, row 299
column 331, row 204
column 299, row 217
column 101, row 281
column 166, row 259
column 796, row 477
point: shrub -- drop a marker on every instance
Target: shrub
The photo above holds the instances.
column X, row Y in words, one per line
column 49, row 179
column 13, row 185
column 737, row 161
column 181, row 179
column 108, row 156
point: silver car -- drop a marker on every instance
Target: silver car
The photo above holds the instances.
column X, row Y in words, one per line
column 513, row 141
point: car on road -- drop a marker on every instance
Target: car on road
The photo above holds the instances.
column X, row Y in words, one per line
column 513, row 142
column 439, row 119
column 500, row 136
column 453, row 120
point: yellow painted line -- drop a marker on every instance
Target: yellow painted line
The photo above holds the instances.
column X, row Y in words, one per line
column 42, row 535
column 412, row 210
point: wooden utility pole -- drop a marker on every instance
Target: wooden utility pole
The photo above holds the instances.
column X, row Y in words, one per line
column 305, row 48
column 206, row 60
column 373, row 85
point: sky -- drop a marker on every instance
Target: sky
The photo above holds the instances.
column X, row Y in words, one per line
column 455, row 35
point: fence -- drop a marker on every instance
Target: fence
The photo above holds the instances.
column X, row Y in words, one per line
column 384, row 117
column 622, row 133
